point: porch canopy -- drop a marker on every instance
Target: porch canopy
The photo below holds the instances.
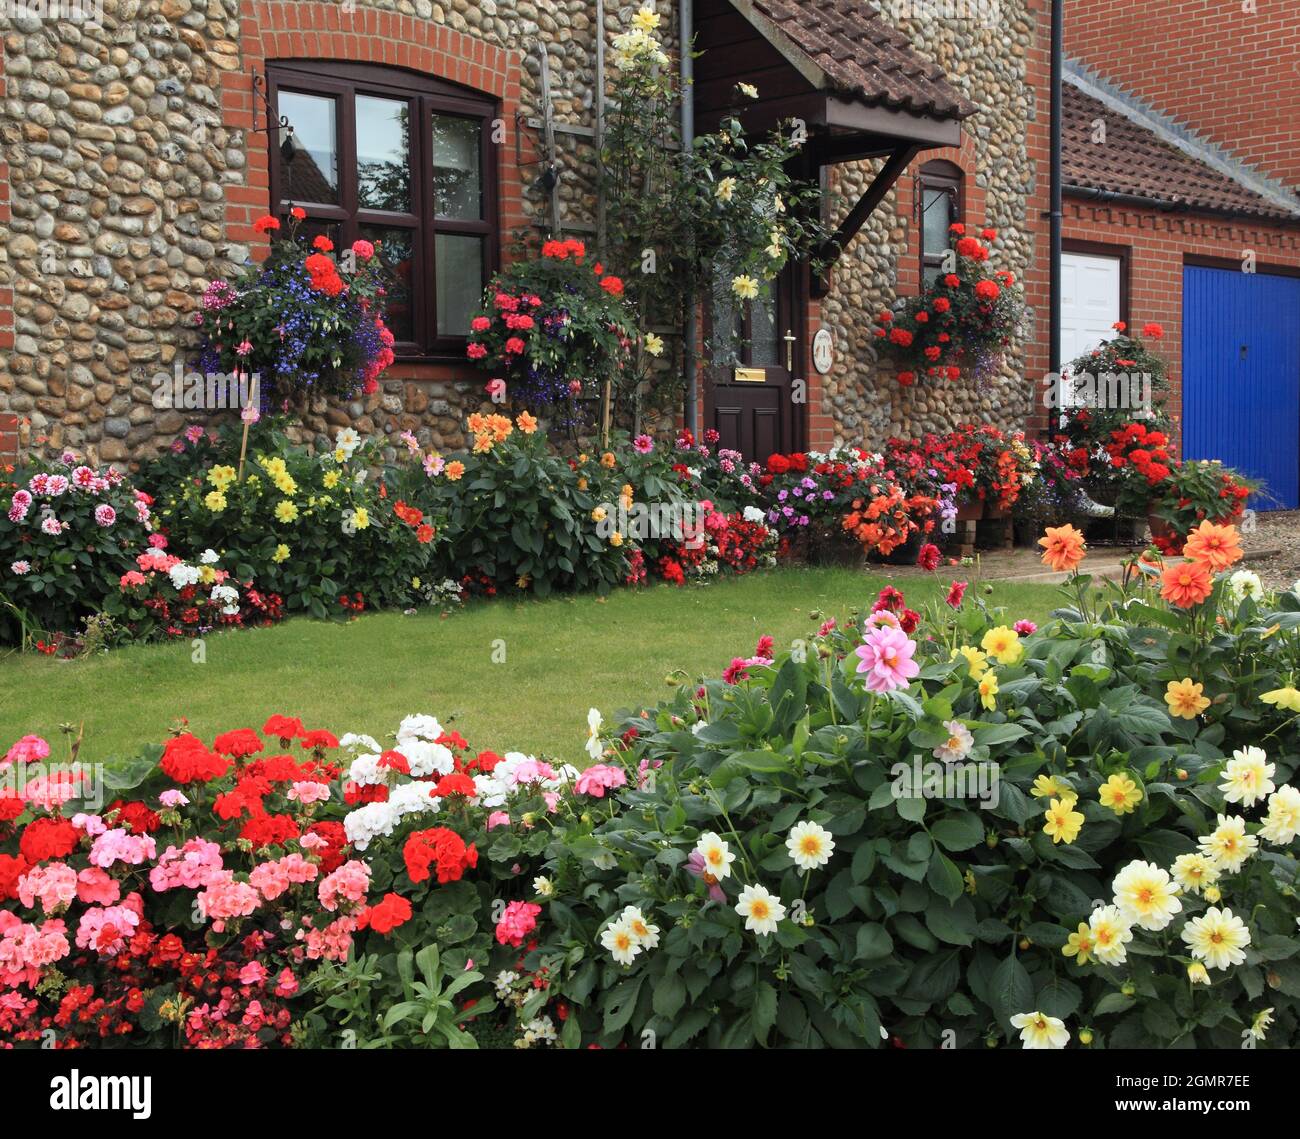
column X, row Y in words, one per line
column 854, row 80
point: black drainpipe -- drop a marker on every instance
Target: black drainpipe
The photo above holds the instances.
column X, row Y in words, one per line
column 687, row 34
column 1054, row 302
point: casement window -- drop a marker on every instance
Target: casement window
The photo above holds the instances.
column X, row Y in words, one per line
column 403, row 161
column 940, row 202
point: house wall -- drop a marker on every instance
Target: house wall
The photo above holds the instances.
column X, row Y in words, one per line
column 113, row 236
column 1220, row 68
column 1001, row 68
column 1158, row 244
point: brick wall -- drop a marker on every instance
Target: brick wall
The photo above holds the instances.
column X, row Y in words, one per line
column 1158, row 245
column 1228, row 74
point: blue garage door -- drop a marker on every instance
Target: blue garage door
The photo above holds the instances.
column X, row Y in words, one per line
column 1241, row 376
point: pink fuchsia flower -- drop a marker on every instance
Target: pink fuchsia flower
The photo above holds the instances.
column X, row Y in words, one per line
column 95, row 886
column 243, row 348
column 575, row 388
column 1024, row 628
column 518, row 921
column 29, row 749
column 595, row 780
column 173, row 797
column 643, row 444
column 886, row 659
column 498, row 819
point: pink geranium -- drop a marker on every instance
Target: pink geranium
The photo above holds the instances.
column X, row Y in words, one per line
column 29, row 749
column 595, row 780
column 518, row 921
column 886, row 659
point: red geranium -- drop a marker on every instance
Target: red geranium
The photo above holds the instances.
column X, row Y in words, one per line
column 48, row 838
column 387, row 915
column 442, row 848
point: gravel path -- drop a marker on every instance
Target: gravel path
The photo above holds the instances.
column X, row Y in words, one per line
column 1277, row 530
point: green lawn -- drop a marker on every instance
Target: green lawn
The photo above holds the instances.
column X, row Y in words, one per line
column 562, row 656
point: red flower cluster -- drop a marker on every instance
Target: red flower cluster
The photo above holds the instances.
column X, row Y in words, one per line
column 186, row 760
column 1146, row 450
column 441, row 848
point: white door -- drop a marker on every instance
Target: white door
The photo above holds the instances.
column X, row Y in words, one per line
column 1089, row 302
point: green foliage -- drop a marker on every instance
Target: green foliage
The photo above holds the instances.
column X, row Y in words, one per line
column 944, row 908
column 311, row 528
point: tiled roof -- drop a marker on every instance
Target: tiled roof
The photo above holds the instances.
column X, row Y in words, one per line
column 1133, row 159
column 861, row 56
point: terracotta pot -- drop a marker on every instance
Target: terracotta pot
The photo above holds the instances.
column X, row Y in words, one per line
column 1159, row 527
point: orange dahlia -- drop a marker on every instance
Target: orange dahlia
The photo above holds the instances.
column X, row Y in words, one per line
column 1215, row 546
column 1063, row 548
column 1186, row 584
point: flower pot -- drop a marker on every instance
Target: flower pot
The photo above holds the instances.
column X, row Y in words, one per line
column 970, row 511
column 904, row 555
column 1160, row 528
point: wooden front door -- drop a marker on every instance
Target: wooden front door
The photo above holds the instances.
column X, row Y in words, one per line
column 749, row 399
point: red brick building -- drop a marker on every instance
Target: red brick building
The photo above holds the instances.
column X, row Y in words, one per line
column 1180, row 170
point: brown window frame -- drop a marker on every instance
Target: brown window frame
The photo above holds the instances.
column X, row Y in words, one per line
column 428, row 97
column 949, row 178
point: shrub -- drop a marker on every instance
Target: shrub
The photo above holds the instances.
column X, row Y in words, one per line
column 1124, row 740
column 320, row 531
column 513, row 515
column 69, row 533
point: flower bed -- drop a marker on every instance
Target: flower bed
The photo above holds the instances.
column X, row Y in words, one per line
column 910, row 825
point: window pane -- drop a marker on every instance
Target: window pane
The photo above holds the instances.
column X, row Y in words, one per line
column 936, row 218
column 457, row 179
column 460, row 281
column 383, row 154
column 763, row 349
column 394, row 247
column 313, row 173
